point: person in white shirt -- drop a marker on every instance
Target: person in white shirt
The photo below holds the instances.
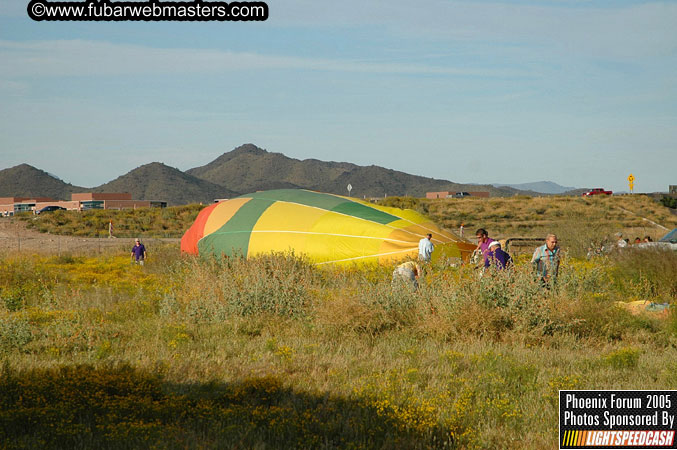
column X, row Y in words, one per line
column 425, row 248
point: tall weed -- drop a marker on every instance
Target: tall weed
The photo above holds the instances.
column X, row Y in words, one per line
column 647, row 272
column 214, row 288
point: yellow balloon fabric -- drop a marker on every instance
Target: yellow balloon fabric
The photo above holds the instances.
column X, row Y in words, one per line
column 327, row 228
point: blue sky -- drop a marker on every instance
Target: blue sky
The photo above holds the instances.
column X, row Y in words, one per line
column 573, row 91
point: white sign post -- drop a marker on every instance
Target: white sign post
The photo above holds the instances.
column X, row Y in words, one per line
column 350, row 188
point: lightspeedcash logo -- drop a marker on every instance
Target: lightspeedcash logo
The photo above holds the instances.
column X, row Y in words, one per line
column 617, row 419
column 620, row 438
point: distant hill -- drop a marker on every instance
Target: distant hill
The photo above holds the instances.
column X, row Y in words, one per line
column 157, row 181
column 249, row 168
column 27, row 181
column 542, row 187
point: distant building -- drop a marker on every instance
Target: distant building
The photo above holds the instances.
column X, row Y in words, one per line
column 11, row 205
column 447, row 194
column 107, row 200
column 673, row 189
column 78, row 202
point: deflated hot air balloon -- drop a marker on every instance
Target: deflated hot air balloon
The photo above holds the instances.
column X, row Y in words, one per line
column 327, row 228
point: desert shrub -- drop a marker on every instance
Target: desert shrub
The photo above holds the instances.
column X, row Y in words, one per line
column 669, row 202
column 22, row 281
column 276, row 284
column 13, row 297
column 420, row 205
column 15, row 333
column 496, row 301
column 625, row 358
column 646, row 272
column 578, row 277
column 672, row 321
column 217, row 287
column 152, row 222
column 391, row 305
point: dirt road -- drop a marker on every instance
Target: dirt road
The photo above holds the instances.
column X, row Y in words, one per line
column 16, row 239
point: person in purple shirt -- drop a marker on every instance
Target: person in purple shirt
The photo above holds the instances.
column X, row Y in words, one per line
column 497, row 257
column 483, row 241
column 138, row 252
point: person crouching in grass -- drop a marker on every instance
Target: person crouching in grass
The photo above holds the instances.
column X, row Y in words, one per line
column 497, row 258
column 407, row 273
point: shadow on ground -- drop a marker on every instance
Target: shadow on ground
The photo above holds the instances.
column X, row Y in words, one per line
column 105, row 408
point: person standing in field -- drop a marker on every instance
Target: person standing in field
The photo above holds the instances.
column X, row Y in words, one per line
column 138, row 252
column 425, row 248
column 546, row 260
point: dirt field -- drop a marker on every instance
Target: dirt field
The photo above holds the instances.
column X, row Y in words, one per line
column 15, row 238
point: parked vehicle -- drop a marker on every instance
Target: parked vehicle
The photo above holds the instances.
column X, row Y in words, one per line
column 461, row 194
column 596, row 191
column 50, row 208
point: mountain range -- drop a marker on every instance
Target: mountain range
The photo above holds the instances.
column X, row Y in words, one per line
column 245, row 169
column 544, row 187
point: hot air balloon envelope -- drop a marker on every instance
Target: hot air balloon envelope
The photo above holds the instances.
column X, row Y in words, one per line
column 327, row 228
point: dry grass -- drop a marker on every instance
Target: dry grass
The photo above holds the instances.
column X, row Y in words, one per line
column 276, row 353
column 273, row 352
column 537, row 216
column 147, row 222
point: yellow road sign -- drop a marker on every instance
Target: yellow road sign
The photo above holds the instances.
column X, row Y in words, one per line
column 631, row 178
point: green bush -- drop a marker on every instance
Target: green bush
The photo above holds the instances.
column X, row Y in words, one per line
column 13, row 298
column 625, row 358
column 669, row 202
column 14, row 333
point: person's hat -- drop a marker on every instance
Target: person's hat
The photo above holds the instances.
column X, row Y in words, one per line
column 494, row 243
column 619, row 234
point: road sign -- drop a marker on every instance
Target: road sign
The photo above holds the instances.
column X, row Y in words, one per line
column 631, row 182
column 631, row 178
column 350, row 188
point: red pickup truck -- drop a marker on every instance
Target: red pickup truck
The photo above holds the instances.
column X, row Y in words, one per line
column 596, row 191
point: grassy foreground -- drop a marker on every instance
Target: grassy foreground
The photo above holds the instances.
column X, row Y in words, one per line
column 276, row 353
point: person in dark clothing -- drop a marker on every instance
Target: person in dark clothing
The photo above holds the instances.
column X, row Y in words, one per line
column 497, row 257
column 138, row 252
